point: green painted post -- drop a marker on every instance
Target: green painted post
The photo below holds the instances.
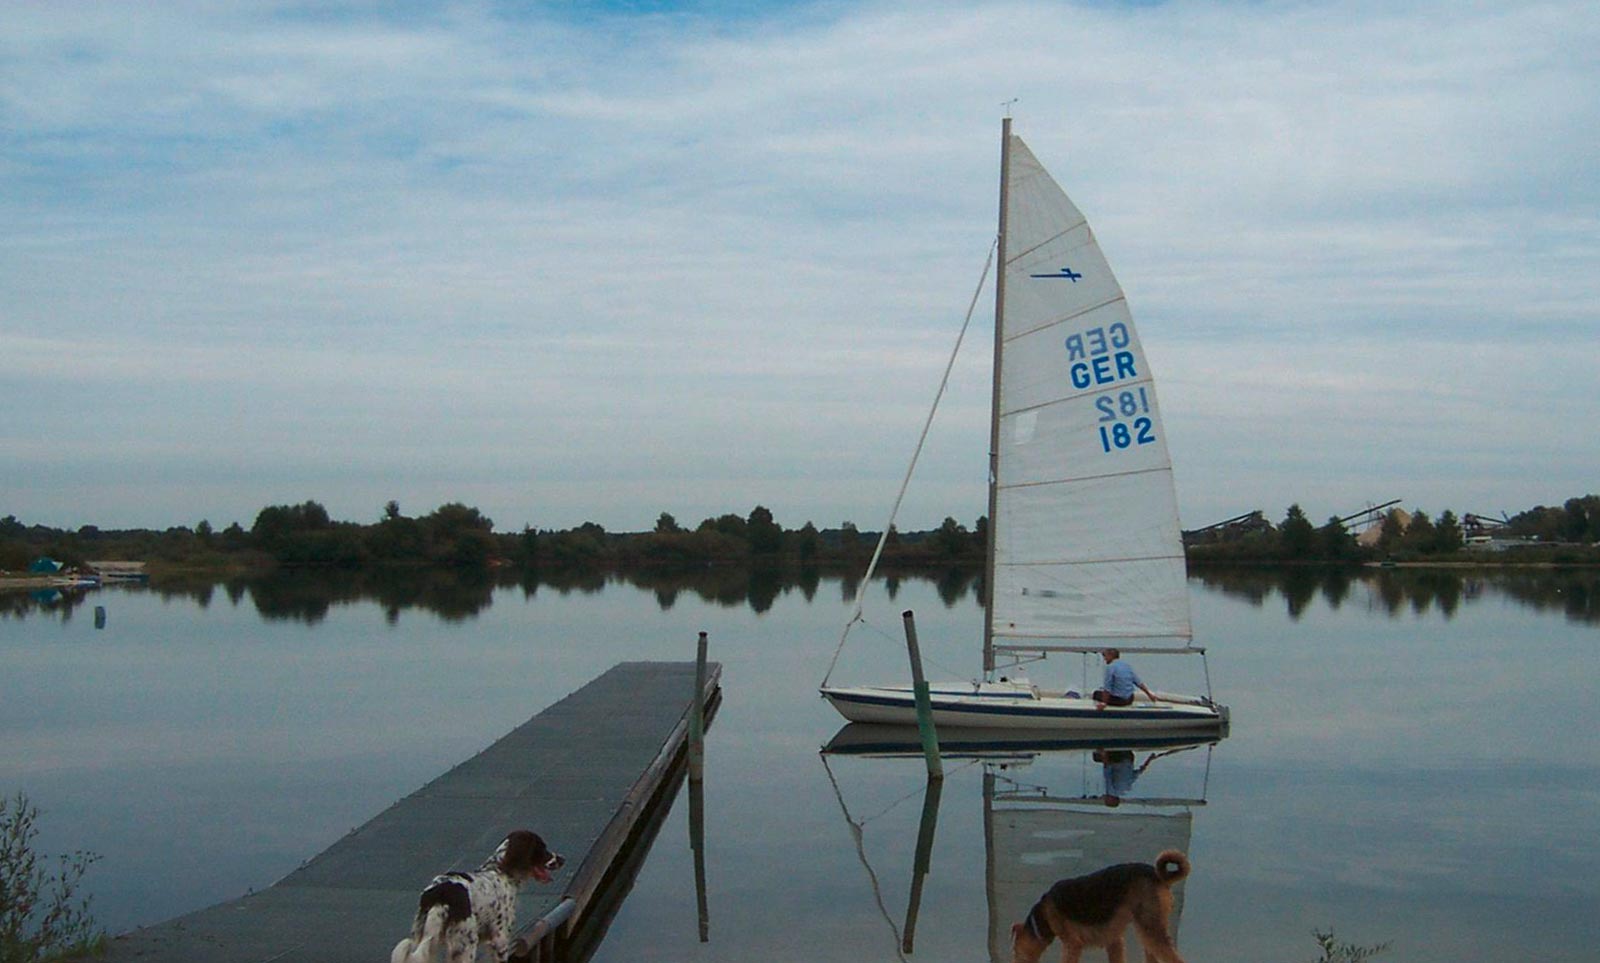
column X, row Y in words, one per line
column 919, row 690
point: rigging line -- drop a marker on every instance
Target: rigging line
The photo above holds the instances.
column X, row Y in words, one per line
column 896, row 804
column 861, row 590
column 954, row 673
column 876, row 630
column 861, row 854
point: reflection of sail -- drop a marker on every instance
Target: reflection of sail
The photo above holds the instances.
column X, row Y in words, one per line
column 1033, row 839
column 1033, row 834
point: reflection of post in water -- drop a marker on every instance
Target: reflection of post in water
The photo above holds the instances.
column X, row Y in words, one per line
column 919, row 869
column 584, row 934
column 697, row 842
column 861, row 850
column 697, row 801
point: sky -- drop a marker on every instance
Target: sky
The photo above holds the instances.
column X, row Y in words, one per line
column 574, row 262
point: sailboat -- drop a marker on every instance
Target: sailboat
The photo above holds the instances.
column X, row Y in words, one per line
column 1085, row 549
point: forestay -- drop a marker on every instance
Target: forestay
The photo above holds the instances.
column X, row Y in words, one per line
column 1087, row 539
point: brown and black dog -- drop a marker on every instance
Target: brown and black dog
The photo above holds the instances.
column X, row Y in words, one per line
column 1095, row 910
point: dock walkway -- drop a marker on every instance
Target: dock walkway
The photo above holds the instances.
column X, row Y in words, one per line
column 578, row 773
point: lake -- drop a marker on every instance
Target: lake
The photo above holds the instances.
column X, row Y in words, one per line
column 1414, row 756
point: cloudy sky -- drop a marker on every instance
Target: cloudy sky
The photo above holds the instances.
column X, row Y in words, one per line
column 586, row 261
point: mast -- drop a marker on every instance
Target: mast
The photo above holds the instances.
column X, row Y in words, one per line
column 994, row 398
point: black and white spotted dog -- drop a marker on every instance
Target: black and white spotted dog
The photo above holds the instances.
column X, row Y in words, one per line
column 457, row 909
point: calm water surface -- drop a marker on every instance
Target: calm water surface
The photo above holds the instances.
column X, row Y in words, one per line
column 1414, row 758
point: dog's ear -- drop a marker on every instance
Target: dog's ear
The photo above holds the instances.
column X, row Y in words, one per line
column 519, row 851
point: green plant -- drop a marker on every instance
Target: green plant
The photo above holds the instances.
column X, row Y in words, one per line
column 42, row 913
column 1336, row 951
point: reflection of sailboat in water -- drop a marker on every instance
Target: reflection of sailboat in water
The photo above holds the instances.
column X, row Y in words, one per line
column 1036, row 833
column 1034, row 837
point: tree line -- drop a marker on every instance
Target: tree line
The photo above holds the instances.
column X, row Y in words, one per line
column 458, row 536
column 1569, row 533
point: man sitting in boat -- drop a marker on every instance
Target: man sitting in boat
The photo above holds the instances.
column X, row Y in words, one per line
column 1120, row 681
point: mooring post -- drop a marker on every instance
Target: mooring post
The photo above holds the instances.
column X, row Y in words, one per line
column 919, row 691
column 697, row 715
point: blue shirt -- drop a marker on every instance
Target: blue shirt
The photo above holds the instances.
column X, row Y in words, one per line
column 1121, row 679
column 1120, row 775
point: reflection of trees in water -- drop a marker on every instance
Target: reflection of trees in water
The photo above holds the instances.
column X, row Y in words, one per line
column 1398, row 591
column 308, row 595
column 1575, row 592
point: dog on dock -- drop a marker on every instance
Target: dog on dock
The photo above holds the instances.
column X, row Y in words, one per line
column 458, row 909
column 1095, row 910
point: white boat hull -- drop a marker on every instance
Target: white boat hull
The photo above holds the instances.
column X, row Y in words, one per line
column 1011, row 706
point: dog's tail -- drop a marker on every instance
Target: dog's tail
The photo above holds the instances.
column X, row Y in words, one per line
column 1171, row 866
column 420, row 948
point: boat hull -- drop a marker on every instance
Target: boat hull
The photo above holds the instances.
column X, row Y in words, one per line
column 869, row 739
column 975, row 707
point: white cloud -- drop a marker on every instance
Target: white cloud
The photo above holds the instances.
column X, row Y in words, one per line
column 554, row 262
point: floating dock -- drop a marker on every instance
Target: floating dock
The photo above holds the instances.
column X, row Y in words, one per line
column 586, row 774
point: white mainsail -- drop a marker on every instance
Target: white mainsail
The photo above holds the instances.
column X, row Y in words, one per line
column 1087, row 539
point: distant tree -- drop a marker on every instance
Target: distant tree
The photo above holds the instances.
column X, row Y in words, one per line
column 1447, row 536
column 1334, row 541
column 667, row 525
column 764, row 534
column 807, row 542
column 582, row 546
column 1541, row 522
column 277, row 523
column 1581, row 521
column 458, row 535
column 391, row 510
column 234, row 537
column 1296, row 534
column 1392, row 531
column 1420, row 534
column 731, row 525
column 950, row 539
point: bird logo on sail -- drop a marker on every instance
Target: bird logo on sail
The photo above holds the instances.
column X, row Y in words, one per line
column 1065, row 274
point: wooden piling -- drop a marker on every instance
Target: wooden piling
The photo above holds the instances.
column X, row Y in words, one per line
column 919, row 689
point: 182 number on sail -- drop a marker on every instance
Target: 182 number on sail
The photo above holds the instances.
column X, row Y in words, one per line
column 1124, row 420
